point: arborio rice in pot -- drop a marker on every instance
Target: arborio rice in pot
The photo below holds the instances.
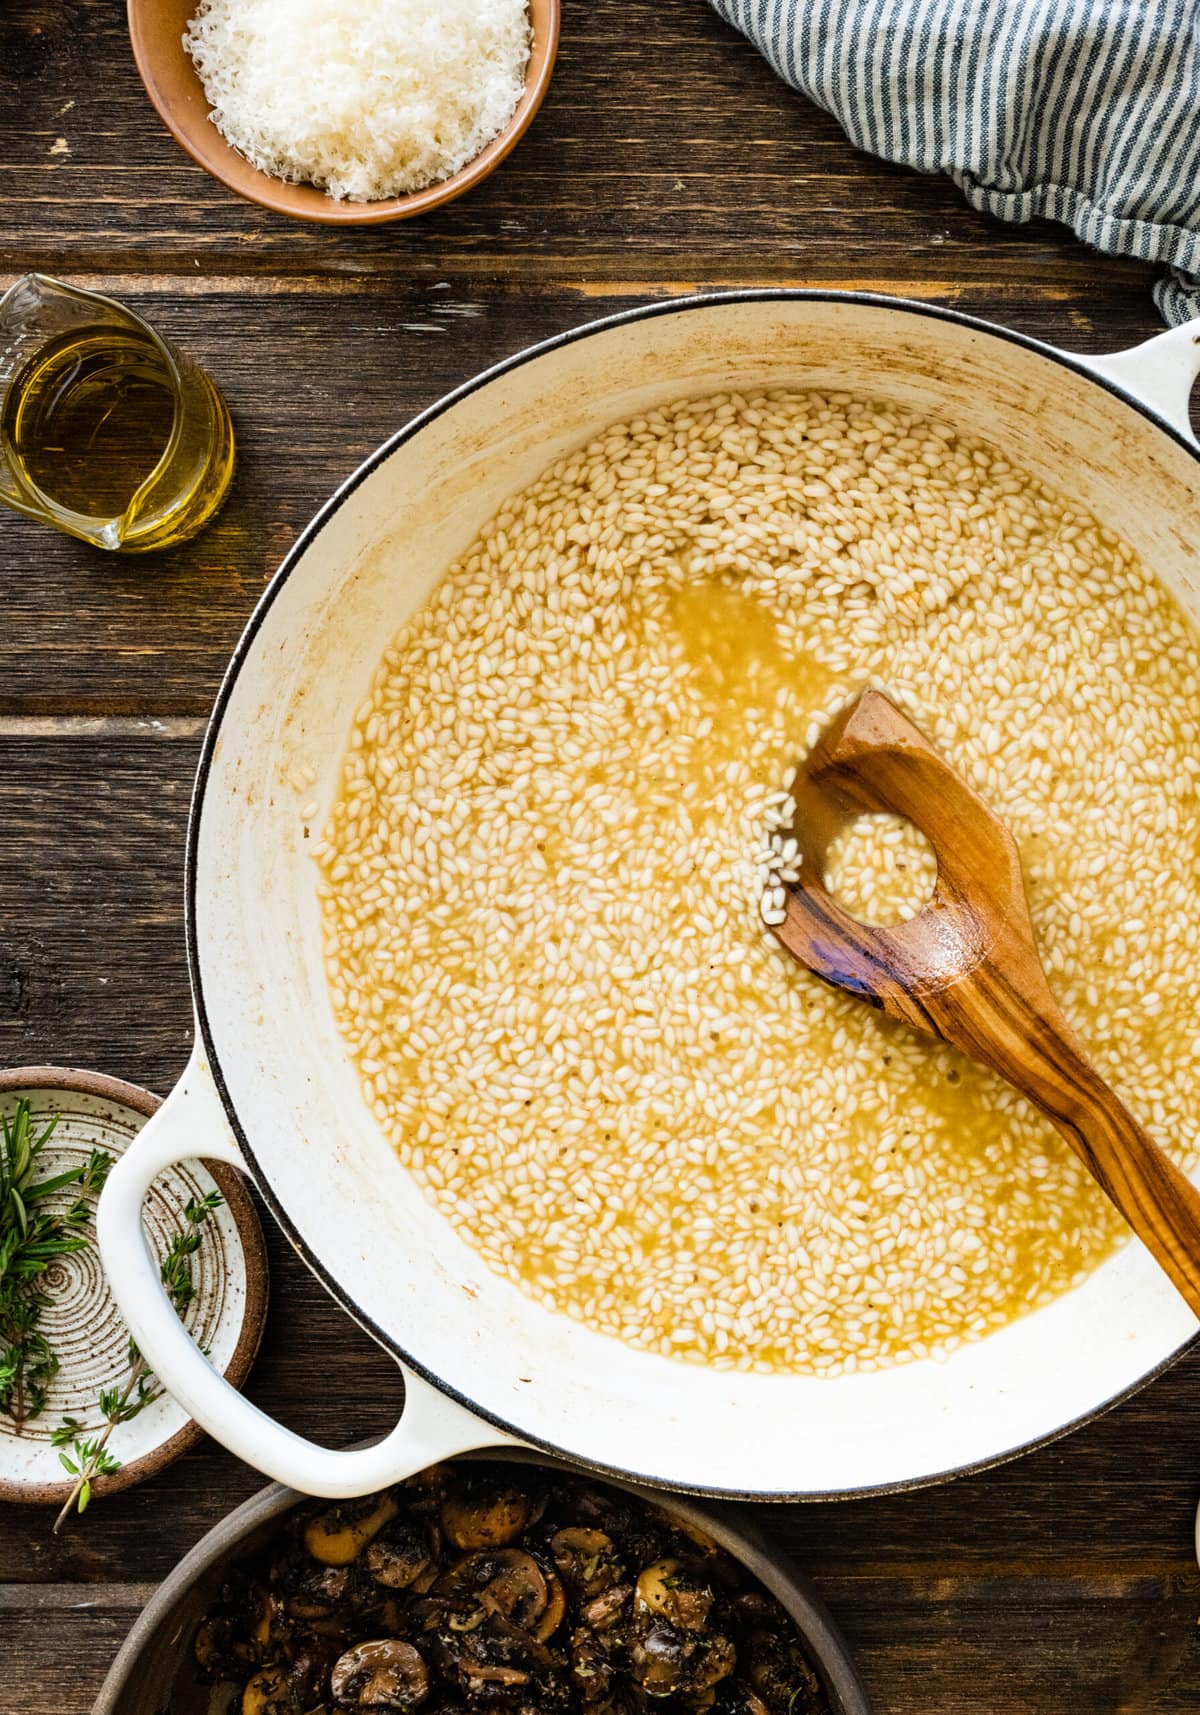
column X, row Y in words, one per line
column 543, row 881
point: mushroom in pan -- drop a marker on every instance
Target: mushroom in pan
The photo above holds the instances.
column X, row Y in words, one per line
column 607, row 1609
column 490, row 1592
column 339, row 1536
column 677, row 1593
column 384, row 1675
column 510, row 1584
column 399, row 1555
column 780, row 1674
column 666, row 1662
column 317, row 1592
column 586, row 1560
column 270, row 1692
column 484, row 1512
column 672, row 1651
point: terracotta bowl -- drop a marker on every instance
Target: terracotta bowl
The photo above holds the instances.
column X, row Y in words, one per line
column 154, row 1668
column 156, row 30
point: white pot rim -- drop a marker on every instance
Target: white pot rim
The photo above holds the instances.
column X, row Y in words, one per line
column 243, row 653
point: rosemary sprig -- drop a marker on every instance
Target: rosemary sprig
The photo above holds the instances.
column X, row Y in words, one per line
column 32, row 1237
column 86, row 1458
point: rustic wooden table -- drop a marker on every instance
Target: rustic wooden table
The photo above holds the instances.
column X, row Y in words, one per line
column 666, row 158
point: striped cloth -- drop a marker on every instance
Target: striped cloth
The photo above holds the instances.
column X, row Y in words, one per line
column 1086, row 111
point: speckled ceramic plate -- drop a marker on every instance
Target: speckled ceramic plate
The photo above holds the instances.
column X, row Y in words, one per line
column 83, row 1323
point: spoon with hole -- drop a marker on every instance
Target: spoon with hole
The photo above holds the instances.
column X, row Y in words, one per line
column 966, row 969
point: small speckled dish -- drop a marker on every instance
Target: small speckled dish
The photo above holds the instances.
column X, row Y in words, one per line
column 156, row 30
column 83, row 1323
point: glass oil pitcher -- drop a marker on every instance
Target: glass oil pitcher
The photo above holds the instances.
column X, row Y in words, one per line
column 105, row 432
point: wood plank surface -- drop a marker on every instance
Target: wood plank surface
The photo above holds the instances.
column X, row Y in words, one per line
column 315, row 384
column 664, row 139
column 667, row 158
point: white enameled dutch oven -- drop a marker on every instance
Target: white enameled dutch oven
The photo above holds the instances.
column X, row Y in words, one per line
column 484, row 1365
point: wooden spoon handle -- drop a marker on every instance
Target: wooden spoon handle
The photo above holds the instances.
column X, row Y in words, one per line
column 967, row 969
column 1041, row 1057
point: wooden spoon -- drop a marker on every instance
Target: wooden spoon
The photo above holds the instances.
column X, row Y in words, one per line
column 966, row 969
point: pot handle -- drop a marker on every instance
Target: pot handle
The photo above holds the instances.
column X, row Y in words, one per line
column 1161, row 372
column 191, row 1125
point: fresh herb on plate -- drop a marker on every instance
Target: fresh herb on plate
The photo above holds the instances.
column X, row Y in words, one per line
column 86, row 1458
column 33, row 1236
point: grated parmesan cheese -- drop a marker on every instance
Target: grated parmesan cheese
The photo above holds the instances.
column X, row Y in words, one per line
column 364, row 98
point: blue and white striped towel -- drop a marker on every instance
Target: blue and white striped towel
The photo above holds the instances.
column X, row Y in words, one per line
column 1087, row 111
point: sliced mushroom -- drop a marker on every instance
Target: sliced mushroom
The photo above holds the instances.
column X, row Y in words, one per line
column 714, row 1661
column 475, row 1667
column 318, row 1593
column 383, row 1675
column 590, row 1665
column 657, row 1660
column 270, row 1692
column 483, row 1676
column 670, row 1589
column 524, row 1594
column 312, row 1662
column 780, row 1674
column 554, row 1611
column 511, row 1584
column 586, row 1559
column 398, row 1556
column 339, row 1536
column 603, row 1611
column 486, row 1513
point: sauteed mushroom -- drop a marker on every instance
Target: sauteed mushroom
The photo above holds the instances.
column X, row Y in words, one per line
column 483, row 1513
column 339, row 1536
column 604, row 1611
column 318, row 1592
column 591, row 1666
column 399, row 1555
column 510, row 1583
column 385, row 1674
column 778, row 1670
column 485, row 1591
column 586, row 1559
column 677, row 1593
column 270, row 1692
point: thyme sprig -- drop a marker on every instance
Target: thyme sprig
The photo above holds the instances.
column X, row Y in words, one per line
column 33, row 1236
column 87, row 1457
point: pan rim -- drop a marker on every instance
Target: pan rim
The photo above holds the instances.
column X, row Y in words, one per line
column 243, row 652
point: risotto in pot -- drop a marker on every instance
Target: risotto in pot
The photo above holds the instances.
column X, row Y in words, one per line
column 543, row 881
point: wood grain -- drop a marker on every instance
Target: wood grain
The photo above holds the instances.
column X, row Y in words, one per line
column 667, row 158
column 664, row 136
column 315, row 382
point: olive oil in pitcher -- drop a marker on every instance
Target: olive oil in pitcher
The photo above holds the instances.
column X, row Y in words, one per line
column 104, row 431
